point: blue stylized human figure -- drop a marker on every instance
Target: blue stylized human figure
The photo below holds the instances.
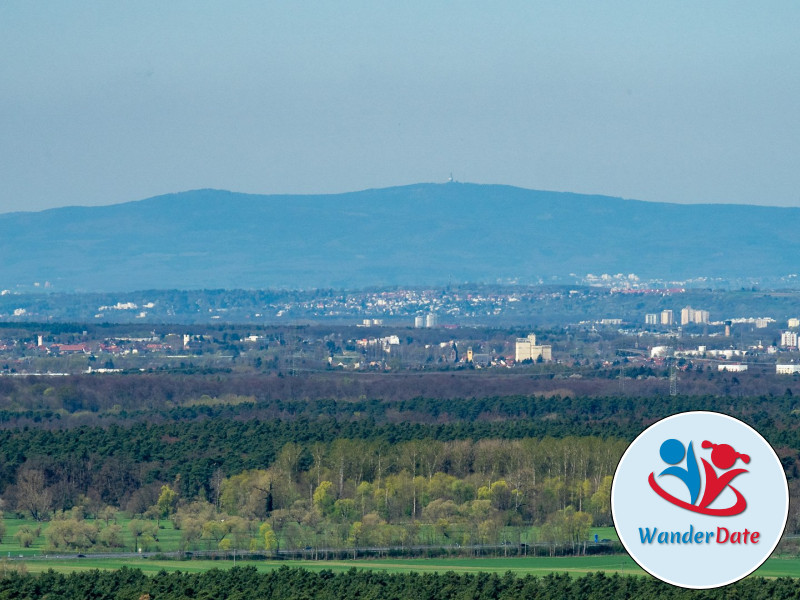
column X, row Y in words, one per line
column 672, row 452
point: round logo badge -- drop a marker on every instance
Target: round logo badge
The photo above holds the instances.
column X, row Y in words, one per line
column 699, row 500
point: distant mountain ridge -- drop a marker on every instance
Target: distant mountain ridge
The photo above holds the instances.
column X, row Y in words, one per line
column 424, row 234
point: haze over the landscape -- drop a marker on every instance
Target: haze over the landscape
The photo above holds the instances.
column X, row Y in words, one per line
column 378, row 299
column 422, row 234
column 673, row 102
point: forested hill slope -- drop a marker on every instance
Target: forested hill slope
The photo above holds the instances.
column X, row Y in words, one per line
column 413, row 235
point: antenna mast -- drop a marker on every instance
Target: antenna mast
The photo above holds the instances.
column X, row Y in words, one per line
column 673, row 381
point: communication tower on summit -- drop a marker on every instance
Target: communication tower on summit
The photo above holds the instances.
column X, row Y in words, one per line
column 673, row 381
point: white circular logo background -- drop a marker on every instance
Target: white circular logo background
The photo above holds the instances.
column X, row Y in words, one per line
column 699, row 500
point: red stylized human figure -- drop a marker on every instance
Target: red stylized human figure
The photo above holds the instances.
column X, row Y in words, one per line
column 724, row 457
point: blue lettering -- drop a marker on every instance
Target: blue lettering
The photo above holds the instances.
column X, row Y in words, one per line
column 687, row 537
column 692, row 536
column 647, row 538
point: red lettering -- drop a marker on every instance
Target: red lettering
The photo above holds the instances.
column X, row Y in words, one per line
column 736, row 537
column 720, row 539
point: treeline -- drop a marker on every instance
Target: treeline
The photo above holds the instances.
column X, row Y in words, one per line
column 380, row 397
column 461, row 493
column 343, row 494
column 246, row 583
column 324, row 472
column 117, row 460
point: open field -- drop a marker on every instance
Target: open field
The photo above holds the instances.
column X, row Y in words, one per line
column 521, row 566
column 623, row 564
column 169, row 539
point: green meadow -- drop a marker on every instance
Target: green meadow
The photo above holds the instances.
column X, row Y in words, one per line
column 169, row 539
column 35, row 559
column 520, row 566
column 576, row 565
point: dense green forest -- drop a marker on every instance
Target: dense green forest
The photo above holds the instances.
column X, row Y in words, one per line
column 298, row 584
column 234, row 434
column 252, row 472
column 345, row 493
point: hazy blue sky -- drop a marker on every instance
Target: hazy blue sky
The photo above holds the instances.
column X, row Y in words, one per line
column 104, row 102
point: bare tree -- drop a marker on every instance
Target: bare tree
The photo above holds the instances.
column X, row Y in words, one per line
column 33, row 495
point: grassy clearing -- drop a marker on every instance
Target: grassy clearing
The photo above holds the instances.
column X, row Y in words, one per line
column 169, row 539
column 577, row 565
column 520, row 566
column 780, row 567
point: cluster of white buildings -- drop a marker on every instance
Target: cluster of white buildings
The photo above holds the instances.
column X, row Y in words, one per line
column 689, row 315
column 428, row 321
column 692, row 315
column 665, row 317
column 705, row 352
column 385, row 342
column 371, row 323
column 789, row 339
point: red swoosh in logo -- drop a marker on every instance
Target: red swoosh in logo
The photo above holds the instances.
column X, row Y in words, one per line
column 737, row 508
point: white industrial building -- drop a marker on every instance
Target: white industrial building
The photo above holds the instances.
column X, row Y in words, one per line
column 732, row 368
column 660, row 351
column 527, row 349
